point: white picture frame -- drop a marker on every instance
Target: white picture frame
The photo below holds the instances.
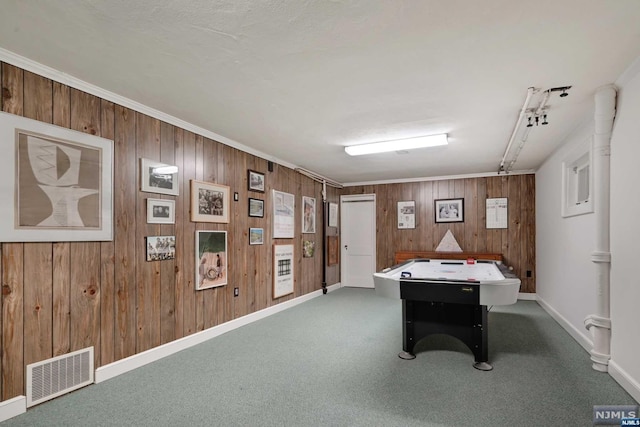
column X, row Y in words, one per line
column 74, row 203
column 211, row 259
column 161, row 178
column 308, row 215
column 209, row 202
column 256, row 236
column 333, row 214
column 161, row 211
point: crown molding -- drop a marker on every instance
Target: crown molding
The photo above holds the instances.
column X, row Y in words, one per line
column 66, row 79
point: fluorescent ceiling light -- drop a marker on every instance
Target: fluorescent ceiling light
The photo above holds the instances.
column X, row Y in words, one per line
column 165, row 169
column 397, row 145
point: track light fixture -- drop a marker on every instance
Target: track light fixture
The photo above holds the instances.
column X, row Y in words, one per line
column 532, row 114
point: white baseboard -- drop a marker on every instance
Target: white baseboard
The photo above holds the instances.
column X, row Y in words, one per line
column 122, row 366
column 13, row 407
column 625, row 380
column 577, row 335
column 526, row 296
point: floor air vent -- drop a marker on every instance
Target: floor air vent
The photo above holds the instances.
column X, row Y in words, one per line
column 54, row 377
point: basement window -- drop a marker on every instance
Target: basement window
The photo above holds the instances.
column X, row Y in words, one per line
column 577, row 182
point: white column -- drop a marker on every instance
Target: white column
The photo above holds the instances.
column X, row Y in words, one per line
column 599, row 323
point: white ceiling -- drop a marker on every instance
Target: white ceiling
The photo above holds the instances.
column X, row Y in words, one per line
column 297, row 80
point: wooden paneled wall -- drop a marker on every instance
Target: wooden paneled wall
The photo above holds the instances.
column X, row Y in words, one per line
column 64, row 296
column 516, row 243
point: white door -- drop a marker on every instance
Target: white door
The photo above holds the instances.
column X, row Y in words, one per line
column 358, row 234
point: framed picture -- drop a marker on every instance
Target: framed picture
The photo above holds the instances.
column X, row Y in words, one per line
column 57, row 184
column 308, row 248
column 161, row 248
column 449, row 210
column 256, row 207
column 211, row 259
column 308, row 214
column 209, row 202
column 158, row 177
column 256, row 181
column 256, row 236
column 282, row 270
column 333, row 250
column 333, row 214
column 161, row 211
column 284, row 207
column 407, row 214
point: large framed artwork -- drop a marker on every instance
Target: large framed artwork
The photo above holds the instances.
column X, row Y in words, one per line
column 209, row 202
column 284, row 207
column 449, row 210
column 282, row 270
column 308, row 214
column 158, row 177
column 211, row 259
column 57, row 184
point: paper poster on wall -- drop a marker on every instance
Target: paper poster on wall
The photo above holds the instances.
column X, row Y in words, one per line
column 497, row 210
column 282, row 270
column 333, row 214
column 284, row 206
column 407, row 214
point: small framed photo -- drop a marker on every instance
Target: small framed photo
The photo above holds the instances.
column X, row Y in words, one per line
column 308, row 214
column 161, row 211
column 256, row 181
column 256, row 236
column 256, row 208
column 209, row 202
column 161, row 248
column 158, row 177
column 449, row 210
column 308, row 248
column 211, row 259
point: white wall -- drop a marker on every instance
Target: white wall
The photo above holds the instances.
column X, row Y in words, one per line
column 625, row 237
column 566, row 282
column 565, row 275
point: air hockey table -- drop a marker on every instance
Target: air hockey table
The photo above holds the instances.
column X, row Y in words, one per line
column 447, row 296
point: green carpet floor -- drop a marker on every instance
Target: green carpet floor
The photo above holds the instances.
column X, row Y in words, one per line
column 332, row 361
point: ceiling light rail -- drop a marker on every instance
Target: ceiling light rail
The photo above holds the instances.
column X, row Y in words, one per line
column 536, row 115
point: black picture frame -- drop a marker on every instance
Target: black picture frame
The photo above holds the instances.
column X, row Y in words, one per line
column 449, row 210
column 256, row 208
column 255, row 181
